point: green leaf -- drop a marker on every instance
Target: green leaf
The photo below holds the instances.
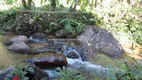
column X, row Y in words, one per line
column 68, row 27
column 53, row 24
column 64, row 21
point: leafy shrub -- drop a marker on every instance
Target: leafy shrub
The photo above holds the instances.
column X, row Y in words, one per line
column 68, row 74
column 121, row 18
column 72, row 26
column 7, row 20
column 19, row 73
column 131, row 74
column 135, row 29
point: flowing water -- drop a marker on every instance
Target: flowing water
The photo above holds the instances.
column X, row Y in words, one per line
column 95, row 64
column 98, row 64
column 75, row 63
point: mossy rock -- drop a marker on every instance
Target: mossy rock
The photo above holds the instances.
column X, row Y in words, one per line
column 106, row 61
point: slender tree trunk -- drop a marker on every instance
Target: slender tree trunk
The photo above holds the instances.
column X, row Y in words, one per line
column 96, row 1
column 29, row 4
column 76, row 2
column 24, row 4
column 71, row 6
column 53, row 5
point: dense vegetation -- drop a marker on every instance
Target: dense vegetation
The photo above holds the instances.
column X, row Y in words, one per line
column 122, row 18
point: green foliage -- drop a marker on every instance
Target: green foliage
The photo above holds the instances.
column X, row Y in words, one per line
column 134, row 27
column 19, row 72
column 121, row 18
column 7, row 20
column 67, row 24
column 9, row 1
column 131, row 74
column 69, row 74
column 72, row 26
column 53, row 26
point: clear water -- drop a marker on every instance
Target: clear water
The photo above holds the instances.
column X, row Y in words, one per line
column 8, row 58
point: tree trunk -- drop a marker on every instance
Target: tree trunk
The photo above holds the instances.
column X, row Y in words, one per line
column 24, row 4
column 76, row 2
column 29, row 4
column 96, row 1
column 53, row 5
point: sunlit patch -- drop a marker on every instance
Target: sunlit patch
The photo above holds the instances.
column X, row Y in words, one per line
column 133, row 50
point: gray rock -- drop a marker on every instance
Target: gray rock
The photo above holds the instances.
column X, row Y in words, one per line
column 4, row 73
column 100, row 40
column 61, row 33
column 72, row 54
column 38, row 37
column 20, row 38
column 19, row 47
column 7, row 43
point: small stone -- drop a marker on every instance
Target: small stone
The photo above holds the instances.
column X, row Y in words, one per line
column 60, row 33
column 72, row 54
column 39, row 35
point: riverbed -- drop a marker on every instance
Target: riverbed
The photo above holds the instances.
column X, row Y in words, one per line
column 96, row 62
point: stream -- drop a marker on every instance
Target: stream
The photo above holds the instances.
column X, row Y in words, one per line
column 96, row 63
column 73, row 62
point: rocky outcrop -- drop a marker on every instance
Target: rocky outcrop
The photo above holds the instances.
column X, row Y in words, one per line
column 97, row 39
column 50, row 61
column 19, row 47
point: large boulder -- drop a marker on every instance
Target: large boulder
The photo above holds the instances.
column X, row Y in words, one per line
column 20, row 38
column 19, row 47
column 49, row 61
column 97, row 39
